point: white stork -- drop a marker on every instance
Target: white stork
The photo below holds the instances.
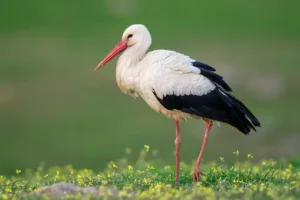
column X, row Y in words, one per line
column 177, row 86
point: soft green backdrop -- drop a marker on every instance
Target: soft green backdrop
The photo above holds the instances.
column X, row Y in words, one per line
column 55, row 109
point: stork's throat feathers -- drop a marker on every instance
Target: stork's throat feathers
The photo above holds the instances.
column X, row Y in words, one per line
column 134, row 54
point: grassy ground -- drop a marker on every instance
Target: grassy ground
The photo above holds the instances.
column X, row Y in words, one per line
column 143, row 179
column 55, row 109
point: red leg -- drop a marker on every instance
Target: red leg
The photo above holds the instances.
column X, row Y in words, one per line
column 177, row 147
column 196, row 173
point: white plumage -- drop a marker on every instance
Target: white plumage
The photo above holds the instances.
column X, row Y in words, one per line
column 177, row 86
column 165, row 72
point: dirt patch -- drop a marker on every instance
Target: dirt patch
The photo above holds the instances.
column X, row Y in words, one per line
column 63, row 190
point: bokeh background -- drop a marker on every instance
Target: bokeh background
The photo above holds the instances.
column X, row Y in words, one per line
column 54, row 109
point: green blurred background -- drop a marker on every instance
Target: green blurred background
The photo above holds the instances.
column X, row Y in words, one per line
column 55, row 109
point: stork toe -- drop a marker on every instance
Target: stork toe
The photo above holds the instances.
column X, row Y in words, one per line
column 196, row 175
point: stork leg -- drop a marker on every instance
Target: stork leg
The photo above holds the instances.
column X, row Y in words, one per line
column 196, row 173
column 177, row 147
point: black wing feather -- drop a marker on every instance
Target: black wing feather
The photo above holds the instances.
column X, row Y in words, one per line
column 216, row 78
column 216, row 105
column 209, row 73
column 202, row 65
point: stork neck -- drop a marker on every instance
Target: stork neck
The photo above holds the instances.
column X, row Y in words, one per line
column 128, row 69
column 134, row 54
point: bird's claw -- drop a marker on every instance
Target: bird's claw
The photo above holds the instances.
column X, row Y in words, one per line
column 196, row 175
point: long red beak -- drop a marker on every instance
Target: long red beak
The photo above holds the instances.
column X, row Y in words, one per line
column 121, row 46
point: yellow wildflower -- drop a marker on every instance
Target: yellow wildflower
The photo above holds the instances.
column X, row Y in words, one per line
column 130, row 167
column 236, row 153
column 146, row 147
column 151, row 167
column 249, row 156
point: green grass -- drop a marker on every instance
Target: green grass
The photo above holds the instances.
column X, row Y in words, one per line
column 55, row 109
column 146, row 179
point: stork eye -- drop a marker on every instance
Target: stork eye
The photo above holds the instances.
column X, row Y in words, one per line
column 129, row 36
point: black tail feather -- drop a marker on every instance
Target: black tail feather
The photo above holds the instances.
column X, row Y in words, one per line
column 238, row 104
column 245, row 110
column 243, row 119
column 239, row 121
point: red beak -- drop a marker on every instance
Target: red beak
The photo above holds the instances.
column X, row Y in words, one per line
column 121, row 46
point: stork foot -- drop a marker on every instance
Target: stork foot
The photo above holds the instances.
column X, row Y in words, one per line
column 196, row 175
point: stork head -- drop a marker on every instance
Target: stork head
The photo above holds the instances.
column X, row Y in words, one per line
column 136, row 35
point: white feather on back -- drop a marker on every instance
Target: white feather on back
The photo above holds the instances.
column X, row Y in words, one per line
column 171, row 73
